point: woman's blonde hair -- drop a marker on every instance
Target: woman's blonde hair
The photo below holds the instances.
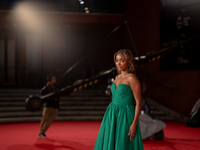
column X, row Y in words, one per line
column 129, row 57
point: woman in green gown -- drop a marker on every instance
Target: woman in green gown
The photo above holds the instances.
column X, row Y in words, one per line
column 120, row 126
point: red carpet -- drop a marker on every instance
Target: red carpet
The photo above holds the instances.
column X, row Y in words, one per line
column 177, row 137
column 82, row 136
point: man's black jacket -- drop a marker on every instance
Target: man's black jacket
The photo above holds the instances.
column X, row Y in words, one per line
column 48, row 89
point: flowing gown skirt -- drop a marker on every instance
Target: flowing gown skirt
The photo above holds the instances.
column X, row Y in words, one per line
column 113, row 133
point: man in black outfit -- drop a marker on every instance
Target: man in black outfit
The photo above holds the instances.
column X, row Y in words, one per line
column 50, row 110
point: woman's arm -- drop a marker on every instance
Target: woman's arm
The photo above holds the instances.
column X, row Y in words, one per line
column 136, row 89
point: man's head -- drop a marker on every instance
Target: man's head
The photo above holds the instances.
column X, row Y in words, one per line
column 51, row 79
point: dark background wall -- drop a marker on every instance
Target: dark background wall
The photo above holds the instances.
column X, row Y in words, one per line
column 83, row 33
column 144, row 20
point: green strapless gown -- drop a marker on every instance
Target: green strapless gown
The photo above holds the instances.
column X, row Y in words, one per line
column 113, row 133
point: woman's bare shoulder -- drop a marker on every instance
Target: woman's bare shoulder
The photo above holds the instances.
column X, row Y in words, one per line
column 132, row 78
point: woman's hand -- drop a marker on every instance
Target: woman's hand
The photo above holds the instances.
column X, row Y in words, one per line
column 132, row 130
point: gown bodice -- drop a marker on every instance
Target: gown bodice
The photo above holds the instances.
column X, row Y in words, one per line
column 122, row 94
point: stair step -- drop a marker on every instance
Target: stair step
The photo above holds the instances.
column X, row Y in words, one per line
column 166, row 118
column 26, row 95
column 157, row 112
column 39, row 113
column 152, row 108
column 62, row 98
column 66, row 103
column 75, row 108
column 30, row 91
column 59, row 118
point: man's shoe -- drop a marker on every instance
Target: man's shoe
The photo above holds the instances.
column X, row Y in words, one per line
column 42, row 135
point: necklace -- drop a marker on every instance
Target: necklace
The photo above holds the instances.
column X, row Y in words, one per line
column 123, row 74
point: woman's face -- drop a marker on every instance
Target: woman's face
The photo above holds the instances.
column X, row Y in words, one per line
column 121, row 62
